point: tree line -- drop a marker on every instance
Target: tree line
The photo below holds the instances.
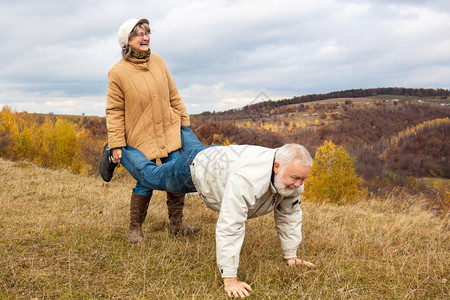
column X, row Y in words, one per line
column 391, row 142
column 273, row 107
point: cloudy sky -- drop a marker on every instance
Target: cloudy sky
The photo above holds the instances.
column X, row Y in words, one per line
column 55, row 55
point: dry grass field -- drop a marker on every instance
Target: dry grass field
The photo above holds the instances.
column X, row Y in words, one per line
column 62, row 236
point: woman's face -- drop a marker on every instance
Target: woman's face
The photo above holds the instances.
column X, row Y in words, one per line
column 140, row 42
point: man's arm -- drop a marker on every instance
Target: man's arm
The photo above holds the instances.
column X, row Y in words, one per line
column 230, row 233
column 288, row 223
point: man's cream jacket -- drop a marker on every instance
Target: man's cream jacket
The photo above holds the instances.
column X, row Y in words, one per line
column 236, row 181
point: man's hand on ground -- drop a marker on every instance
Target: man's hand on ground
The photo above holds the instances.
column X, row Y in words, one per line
column 299, row 262
column 235, row 288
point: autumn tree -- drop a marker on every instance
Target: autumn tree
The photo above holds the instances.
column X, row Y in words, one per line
column 66, row 150
column 333, row 177
column 58, row 144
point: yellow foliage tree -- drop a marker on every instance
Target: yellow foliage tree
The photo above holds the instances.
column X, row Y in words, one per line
column 268, row 127
column 217, row 139
column 60, row 144
column 22, row 147
column 226, row 142
column 88, row 150
column 43, row 139
column 10, row 129
column 333, row 177
column 65, row 146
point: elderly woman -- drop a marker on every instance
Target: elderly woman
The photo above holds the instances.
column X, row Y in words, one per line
column 145, row 111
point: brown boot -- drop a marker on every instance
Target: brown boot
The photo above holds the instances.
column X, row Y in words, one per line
column 138, row 212
column 177, row 226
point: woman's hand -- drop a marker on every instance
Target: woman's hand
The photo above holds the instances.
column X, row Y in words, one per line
column 117, row 155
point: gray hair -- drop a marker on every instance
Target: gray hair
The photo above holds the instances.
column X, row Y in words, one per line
column 126, row 51
column 292, row 152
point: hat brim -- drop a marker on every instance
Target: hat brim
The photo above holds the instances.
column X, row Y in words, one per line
column 143, row 20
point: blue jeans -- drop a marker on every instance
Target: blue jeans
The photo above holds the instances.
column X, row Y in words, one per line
column 172, row 176
column 141, row 189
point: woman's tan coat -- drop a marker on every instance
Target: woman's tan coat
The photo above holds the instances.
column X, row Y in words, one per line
column 144, row 108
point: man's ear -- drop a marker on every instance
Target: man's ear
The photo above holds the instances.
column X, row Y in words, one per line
column 276, row 167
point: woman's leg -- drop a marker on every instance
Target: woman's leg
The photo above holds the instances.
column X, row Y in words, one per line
column 134, row 161
column 189, row 140
column 172, row 176
column 141, row 189
column 140, row 199
column 175, row 204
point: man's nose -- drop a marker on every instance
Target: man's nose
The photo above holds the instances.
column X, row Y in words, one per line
column 298, row 183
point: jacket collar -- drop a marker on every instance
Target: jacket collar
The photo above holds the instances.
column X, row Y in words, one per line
column 139, row 64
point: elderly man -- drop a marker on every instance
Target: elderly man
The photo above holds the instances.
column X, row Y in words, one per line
column 240, row 182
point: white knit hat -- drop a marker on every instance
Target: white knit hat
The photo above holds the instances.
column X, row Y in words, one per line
column 126, row 28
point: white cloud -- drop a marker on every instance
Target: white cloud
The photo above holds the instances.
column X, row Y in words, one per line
column 222, row 54
column 54, row 102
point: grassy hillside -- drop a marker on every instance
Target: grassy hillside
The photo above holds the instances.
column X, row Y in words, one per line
column 63, row 236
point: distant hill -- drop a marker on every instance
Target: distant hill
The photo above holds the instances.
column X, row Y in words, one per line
column 366, row 126
column 270, row 106
column 394, row 133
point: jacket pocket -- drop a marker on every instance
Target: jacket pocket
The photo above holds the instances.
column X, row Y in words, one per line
column 289, row 206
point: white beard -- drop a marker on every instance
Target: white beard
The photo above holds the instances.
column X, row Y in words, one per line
column 285, row 191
